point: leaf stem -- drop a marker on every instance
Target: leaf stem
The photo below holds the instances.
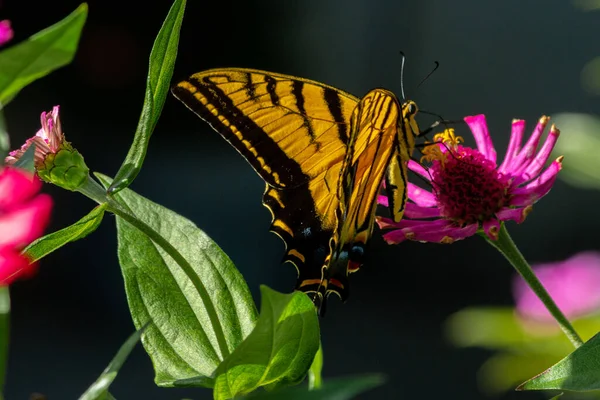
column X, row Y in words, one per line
column 505, row 245
column 95, row 192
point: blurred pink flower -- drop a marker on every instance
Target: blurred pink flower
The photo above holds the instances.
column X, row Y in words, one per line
column 47, row 140
column 469, row 190
column 574, row 284
column 6, row 32
column 24, row 214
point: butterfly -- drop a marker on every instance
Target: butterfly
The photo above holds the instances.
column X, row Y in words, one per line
column 323, row 154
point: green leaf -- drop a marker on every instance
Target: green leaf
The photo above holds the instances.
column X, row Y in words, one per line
column 4, row 139
column 314, row 373
column 558, row 396
column 39, row 55
column 4, row 333
column 200, row 305
column 338, row 389
column 278, row 352
column 26, row 161
column 160, row 71
column 579, row 371
column 99, row 389
column 53, row 241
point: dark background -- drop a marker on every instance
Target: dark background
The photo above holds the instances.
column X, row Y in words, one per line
column 509, row 59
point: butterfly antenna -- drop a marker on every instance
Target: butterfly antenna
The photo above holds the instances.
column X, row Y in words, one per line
column 437, row 64
column 402, row 75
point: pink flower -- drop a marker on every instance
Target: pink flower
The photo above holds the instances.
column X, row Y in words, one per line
column 469, row 191
column 572, row 283
column 6, row 32
column 47, row 140
column 24, row 215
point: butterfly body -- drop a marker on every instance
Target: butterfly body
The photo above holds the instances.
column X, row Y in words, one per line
column 322, row 153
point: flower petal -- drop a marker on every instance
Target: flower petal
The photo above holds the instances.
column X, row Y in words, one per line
column 25, row 223
column 6, row 32
column 478, row 126
column 530, row 147
column 415, row 211
column 16, row 187
column 537, row 188
column 491, row 227
column 421, row 196
column 13, row 265
column 531, row 170
column 514, row 145
column 513, row 214
column 437, row 231
column 418, row 169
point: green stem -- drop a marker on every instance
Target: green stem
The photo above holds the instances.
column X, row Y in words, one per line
column 95, row 192
column 505, row 245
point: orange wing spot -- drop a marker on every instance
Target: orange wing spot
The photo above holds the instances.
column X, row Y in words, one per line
column 283, row 226
column 275, row 195
column 337, row 283
column 353, row 266
column 308, row 282
column 297, row 254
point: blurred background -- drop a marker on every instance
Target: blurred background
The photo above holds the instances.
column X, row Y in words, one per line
column 509, row 59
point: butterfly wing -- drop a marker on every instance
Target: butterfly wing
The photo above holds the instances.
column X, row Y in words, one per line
column 294, row 132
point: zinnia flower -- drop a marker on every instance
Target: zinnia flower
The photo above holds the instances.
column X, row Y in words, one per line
column 6, row 32
column 572, row 283
column 469, row 191
column 56, row 161
column 24, row 215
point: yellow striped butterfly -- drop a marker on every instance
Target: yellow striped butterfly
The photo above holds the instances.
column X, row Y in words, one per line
column 323, row 155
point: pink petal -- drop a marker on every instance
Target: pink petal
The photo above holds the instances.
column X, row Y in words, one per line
column 13, row 265
column 530, row 147
column 415, row 211
column 478, row 126
column 572, row 283
column 421, row 196
column 537, row 188
column 418, row 169
column 16, row 186
column 25, row 223
column 535, row 166
column 386, row 223
column 491, row 227
column 436, row 231
column 512, row 214
column 383, row 200
column 6, row 32
column 514, row 145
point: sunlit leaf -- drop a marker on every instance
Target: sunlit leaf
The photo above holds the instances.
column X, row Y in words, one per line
column 278, row 352
column 162, row 62
column 199, row 304
column 53, row 241
column 579, row 371
column 316, row 368
column 39, row 55
column 333, row 389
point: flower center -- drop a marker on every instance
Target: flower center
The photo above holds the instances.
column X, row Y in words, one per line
column 467, row 185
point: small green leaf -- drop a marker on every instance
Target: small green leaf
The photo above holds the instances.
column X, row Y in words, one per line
column 278, row 352
column 579, row 371
column 338, row 389
column 4, row 333
column 160, row 71
column 99, row 389
column 199, row 303
column 314, row 373
column 26, row 161
column 4, row 139
column 39, row 55
column 55, row 240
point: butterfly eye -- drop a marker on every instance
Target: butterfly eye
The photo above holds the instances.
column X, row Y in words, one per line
column 412, row 108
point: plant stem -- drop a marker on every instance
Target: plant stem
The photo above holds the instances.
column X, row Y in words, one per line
column 505, row 245
column 95, row 192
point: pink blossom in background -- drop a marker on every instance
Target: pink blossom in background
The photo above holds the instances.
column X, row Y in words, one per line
column 47, row 140
column 6, row 32
column 574, row 284
column 24, row 214
column 469, row 190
